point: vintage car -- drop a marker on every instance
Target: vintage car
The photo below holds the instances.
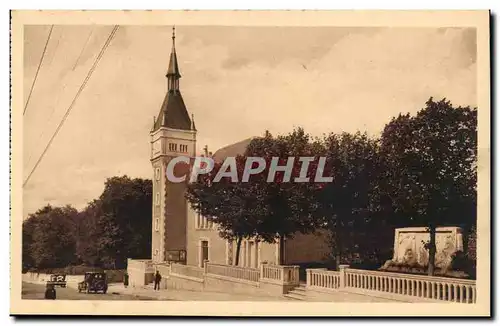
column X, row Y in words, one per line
column 57, row 280
column 94, row 282
column 50, row 292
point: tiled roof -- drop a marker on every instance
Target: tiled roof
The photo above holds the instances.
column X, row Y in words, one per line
column 235, row 149
column 173, row 113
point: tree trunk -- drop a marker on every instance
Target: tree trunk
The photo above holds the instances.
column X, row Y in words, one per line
column 337, row 261
column 282, row 250
column 432, row 249
column 338, row 240
column 238, row 246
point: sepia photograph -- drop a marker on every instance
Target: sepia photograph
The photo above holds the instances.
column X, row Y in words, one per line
column 256, row 163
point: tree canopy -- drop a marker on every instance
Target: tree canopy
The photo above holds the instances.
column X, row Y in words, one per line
column 421, row 171
column 112, row 228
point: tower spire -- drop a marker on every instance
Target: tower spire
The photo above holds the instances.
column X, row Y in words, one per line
column 173, row 113
column 173, row 73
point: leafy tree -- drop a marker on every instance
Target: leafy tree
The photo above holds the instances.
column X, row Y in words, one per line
column 48, row 237
column 429, row 174
column 344, row 204
column 123, row 226
column 258, row 208
column 287, row 207
column 86, row 235
column 232, row 205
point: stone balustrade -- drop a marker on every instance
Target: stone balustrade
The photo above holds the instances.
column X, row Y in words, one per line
column 418, row 286
column 242, row 273
column 422, row 286
column 280, row 274
column 323, row 278
column 187, row 270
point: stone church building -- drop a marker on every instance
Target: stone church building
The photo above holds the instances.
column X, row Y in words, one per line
column 181, row 234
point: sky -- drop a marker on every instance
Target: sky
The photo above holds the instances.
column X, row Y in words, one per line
column 237, row 81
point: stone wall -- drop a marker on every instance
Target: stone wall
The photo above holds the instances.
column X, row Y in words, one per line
column 306, row 248
column 271, row 284
column 114, row 276
column 140, row 272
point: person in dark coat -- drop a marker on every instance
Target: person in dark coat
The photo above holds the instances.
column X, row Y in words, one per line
column 157, row 280
column 125, row 279
column 50, row 292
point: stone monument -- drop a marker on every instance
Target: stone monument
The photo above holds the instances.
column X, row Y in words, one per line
column 409, row 246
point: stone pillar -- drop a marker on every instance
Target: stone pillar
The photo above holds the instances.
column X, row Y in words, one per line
column 308, row 277
column 343, row 276
column 205, row 266
column 262, row 270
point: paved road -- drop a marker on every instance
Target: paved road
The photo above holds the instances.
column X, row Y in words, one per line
column 33, row 291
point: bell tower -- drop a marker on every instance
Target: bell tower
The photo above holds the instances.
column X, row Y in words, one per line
column 173, row 134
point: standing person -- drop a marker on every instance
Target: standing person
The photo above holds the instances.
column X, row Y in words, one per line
column 157, row 280
column 125, row 279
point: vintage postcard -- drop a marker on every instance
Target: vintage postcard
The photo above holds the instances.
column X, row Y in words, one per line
column 250, row 163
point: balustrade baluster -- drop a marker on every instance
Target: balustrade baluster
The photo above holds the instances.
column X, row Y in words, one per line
column 467, row 294
column 455, row 293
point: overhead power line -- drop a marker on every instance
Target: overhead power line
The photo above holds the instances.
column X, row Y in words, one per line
column 38, row 69
column 64, row 86
column 68, row 111
column 83, row 48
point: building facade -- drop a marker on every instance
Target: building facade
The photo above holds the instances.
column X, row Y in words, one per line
column 176, row 226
